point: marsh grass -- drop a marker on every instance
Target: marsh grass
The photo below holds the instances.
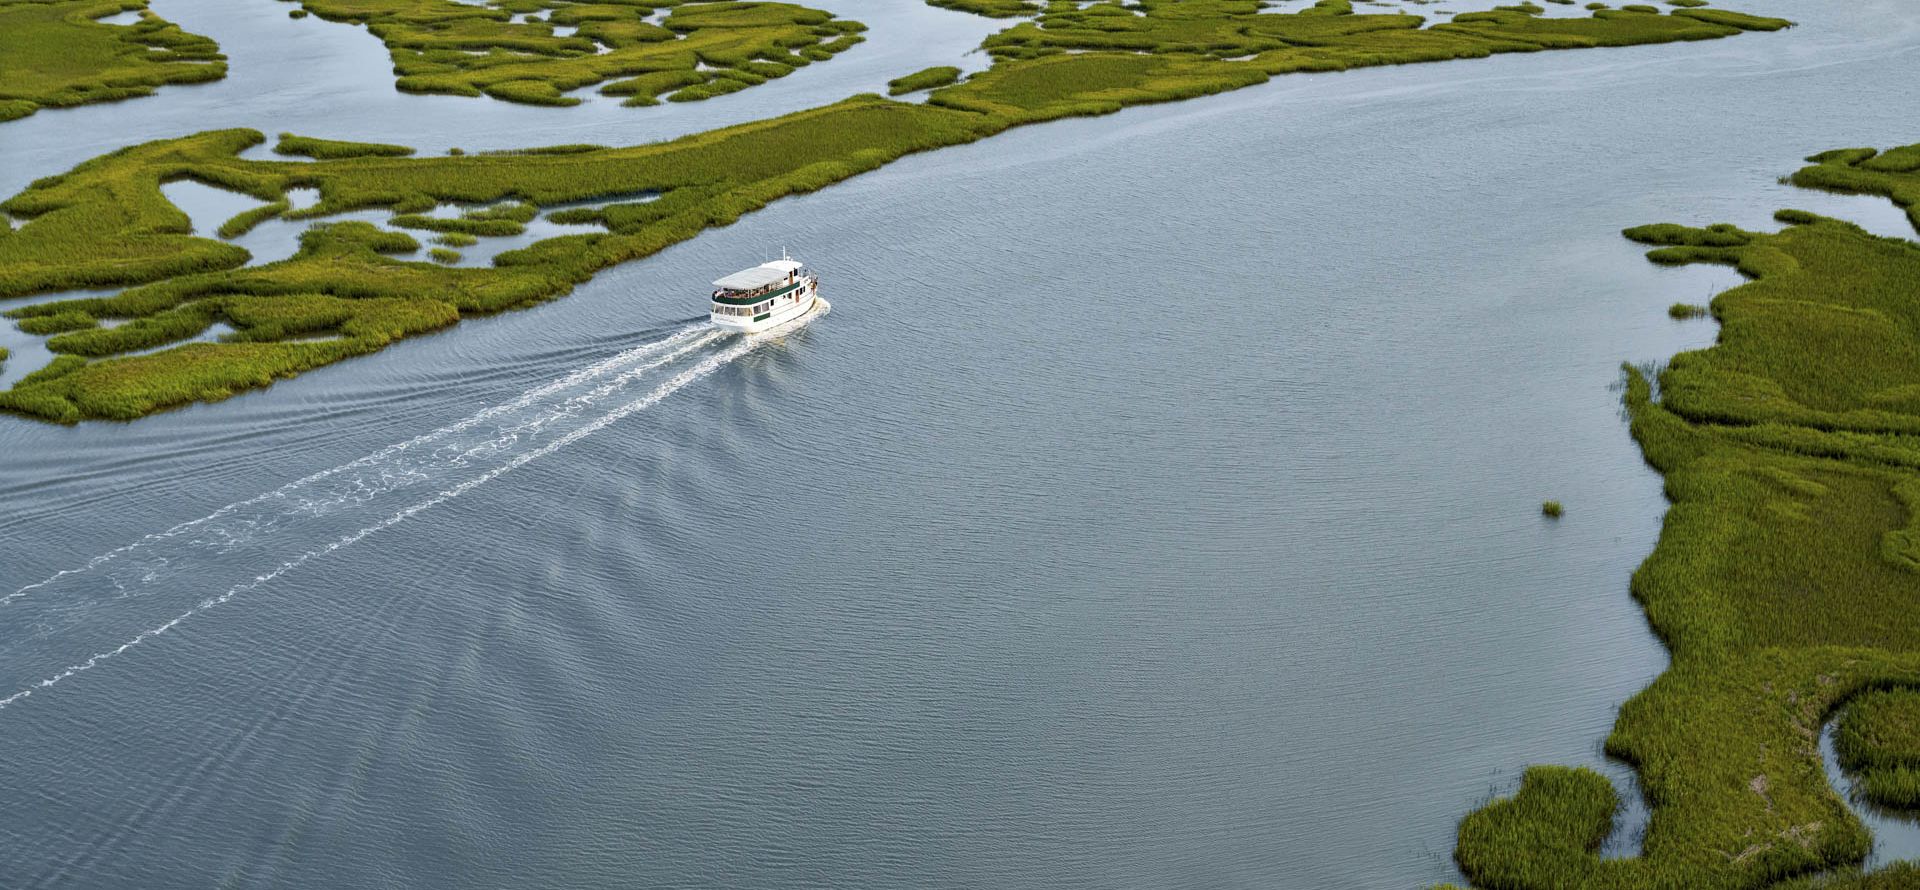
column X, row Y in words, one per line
column 330, row 149
column 54, row 55
column 1684, row 311
column 1547, row 835
column 703, row 48
column 158, row 329
column 924, row 79
column 1866, row 171
column 490, row 228
column 1551, row 509
column 61, row 366
column 244, row 221
column 1892, row 876
column 1784, row 578
column 998, row 9
column 106, row 222
column 56, row 323
column 1877, row 737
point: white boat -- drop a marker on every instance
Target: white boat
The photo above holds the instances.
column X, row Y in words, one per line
column 765, row 296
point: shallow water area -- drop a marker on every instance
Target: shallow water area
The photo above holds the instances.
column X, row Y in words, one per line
column 1159, row 505
column 1896, row 835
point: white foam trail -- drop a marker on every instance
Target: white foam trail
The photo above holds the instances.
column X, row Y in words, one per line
column 703, row 368
column 597, row 369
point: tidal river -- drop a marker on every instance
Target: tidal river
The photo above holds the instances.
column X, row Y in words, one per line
column 1158, row 506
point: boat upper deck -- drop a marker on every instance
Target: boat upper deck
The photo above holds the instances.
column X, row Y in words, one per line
column 757, row 281
column 759, row 276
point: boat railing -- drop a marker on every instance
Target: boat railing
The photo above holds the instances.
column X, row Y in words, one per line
column 723, row 293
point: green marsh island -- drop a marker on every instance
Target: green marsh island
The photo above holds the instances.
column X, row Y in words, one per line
column 536, row 52
column 353, row 288
column 55, row 53
column 1785, row 579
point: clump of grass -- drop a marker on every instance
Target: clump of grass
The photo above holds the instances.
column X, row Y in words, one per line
column 1684, row 311
column 1551, row 509
column 1891, row 876
column 517, row 211
column 1734, row 19
column 1329, row 37
column 492, row 228
column 444, row 256
column 456, row 239
column 244, row 221
column 296, row 13
column 331, row 149
column 1547, row 835
column 53, row 54
column 924, row 79
column 142, row 333
column 573, row 149
column 56, row 323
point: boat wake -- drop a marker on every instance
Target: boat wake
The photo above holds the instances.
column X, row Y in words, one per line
column 170, row 577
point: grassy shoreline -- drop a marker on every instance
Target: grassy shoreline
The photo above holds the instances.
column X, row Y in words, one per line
column 679, row 51
column 105, row 223
column 54, row 54
column 1784, row 575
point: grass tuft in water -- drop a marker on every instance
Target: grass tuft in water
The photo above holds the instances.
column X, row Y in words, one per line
column 329, row 149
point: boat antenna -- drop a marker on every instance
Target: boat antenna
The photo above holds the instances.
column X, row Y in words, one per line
column 783, row 252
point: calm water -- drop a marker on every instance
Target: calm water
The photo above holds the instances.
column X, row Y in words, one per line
column 1158, row 506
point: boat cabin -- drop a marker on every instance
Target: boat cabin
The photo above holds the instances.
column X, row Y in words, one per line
column 758, row 291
